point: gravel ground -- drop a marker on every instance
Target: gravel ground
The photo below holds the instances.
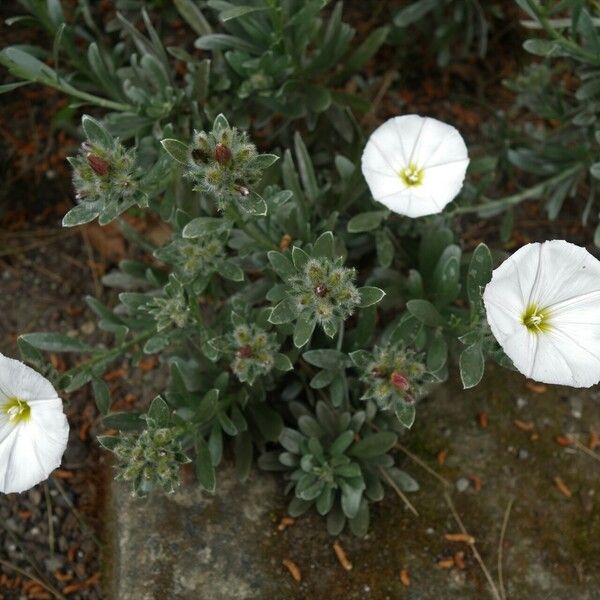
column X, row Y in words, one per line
column 52, row 533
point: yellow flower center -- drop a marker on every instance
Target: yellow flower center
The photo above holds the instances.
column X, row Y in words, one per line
column 18, row 411
column 412, row 176
column 536, row 319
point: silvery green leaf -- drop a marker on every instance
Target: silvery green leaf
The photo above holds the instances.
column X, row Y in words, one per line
column 472, row 365
column 96, row 133
column 370, row 295
column 177, row 150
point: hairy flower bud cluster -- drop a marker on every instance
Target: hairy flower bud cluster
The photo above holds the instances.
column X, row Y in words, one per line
column 106, row 179
column 223, row 164
column 170, row 309
column 394, row 377
column 192, row 257
column 150, row 459
column 252, row 350
column 326, row 290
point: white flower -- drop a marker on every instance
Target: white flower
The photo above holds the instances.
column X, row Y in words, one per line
column 543, row 306
column 415, row 165
column 33, row 427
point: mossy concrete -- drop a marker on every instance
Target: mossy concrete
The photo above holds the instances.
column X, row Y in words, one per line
column 193, row 546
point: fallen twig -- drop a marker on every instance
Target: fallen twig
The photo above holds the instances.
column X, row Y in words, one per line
column 399, row 492
column 501, row 545
column 488, row 576
column 40, row 582
column 584, row 448
column 422, row 464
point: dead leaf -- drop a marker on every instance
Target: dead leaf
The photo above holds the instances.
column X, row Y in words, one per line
column 107, row 241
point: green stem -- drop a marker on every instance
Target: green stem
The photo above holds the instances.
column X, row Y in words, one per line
column 340, row 339
column 576, row 48
column 103, row 102
column 111, row 354
column 517, row 198
column 249, row 229
column 71, row 91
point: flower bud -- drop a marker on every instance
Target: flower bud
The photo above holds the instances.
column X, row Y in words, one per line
column 325, row 290
column 399, row 381
column 222, row 154
column 245, row 352
column 321, row 290
column 98, row 165
column 153, row 456
column 199, row 155
column 252, row 350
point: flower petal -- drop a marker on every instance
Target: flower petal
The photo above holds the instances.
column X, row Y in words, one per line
column 439, row 144
column 566, row 271
column 410, row 203
column 30, row 449
column 385, row 149
column 19, row 380
column 422, row 143
column 563, row 280
column 383, row 184
column 443, row 182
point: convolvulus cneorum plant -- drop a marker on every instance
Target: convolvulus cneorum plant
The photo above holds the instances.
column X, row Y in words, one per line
column 555, row 145
column 460, row 27
column 288, row 59
column 276, row 340
column 563, row 93
column 302, row 308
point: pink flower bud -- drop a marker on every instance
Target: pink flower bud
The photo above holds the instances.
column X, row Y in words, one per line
column 222, row 154
column 98, row 165
column 244, row 352
column 399, row 381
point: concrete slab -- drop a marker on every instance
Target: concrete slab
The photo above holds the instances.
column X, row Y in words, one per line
column 192, row 546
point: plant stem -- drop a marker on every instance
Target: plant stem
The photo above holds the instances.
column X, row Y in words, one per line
column 111, row 354
column 340, row 339
column 517, row 198
column 91, row 98
column 576, row 48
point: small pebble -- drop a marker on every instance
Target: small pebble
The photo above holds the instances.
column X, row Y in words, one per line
column 576, row 406
column 521, row 403
column 462, row 484
column 88, row 328
column 54, row 563
column 523, row 454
